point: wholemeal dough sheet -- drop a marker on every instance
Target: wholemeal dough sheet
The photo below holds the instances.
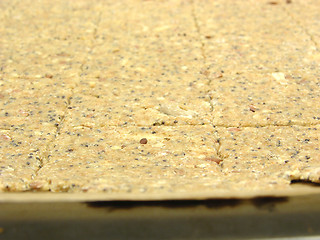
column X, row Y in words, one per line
column 51, row 38
column 152, row 100
column 126, row 101
column 256, row 36
column 275, row 154
column 252, row 99
column 307, row 18
column 135, row 159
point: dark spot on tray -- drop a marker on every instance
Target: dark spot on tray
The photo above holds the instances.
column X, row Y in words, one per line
column 127, row 205
column 262, row 203
column 268, row 203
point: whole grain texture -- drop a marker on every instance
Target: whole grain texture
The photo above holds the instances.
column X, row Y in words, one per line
column 270, row 155
column 114, row 160
column 148, row 97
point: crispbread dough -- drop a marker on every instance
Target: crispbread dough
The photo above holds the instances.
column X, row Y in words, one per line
column 276, row 154
column 162, row 42
column 49, row 38
column 62, row 61
column 140, row 98
column 30, row 113
column 253, row 36
column 307, row 17
column 179, row 159
column 22, row 151
column 265, row 99
column 114, row 159
column 176, row 100
column 40, row 101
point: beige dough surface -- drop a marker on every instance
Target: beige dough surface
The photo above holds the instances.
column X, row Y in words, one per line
column 252, row 99
column 167, row 99
column 172, row 159
column 273, row 154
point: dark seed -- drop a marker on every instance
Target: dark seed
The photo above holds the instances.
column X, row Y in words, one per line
column 143, row 141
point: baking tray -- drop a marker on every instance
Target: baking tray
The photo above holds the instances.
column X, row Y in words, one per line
column 277, row 217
